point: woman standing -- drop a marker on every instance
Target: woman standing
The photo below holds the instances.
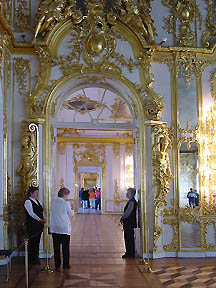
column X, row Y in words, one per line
column 92, row 198
column 61, row 212
column 34, row 224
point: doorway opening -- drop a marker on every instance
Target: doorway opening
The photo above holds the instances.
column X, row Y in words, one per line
column 97, row 127
column 96, row 160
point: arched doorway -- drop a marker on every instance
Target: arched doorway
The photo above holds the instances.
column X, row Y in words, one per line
column 125, row 124
column 105, row 150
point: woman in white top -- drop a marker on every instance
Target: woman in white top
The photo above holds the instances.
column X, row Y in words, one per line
column 61, row 212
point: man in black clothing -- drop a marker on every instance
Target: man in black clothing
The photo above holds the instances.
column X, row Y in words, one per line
column 34, row 224
column 129, row 222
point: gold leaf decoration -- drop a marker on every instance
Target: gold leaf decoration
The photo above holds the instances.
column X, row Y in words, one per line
column 21, row 21
column 184, row 13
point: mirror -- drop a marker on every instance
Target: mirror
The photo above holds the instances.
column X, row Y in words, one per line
column 190, row 235
column 88, row 180
column 189, row 175
column 187, row 95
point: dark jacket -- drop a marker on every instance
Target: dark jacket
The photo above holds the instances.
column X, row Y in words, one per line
column 131, row 220
column 85, row 195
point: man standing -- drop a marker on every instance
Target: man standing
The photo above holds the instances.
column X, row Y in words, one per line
column 61, row 212
column 191, row 195
column 129, row 222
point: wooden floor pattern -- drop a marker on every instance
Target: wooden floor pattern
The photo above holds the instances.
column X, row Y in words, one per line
column 96, row 249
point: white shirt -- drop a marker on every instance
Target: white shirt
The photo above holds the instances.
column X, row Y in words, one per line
column 29, row 208
column 61, row 213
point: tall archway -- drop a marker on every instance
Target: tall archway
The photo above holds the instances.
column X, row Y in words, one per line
column 129, row 97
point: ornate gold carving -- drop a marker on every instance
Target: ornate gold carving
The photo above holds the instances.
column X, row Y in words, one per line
column 116, row 197
column 161, row 163
column 5, row 10
column 116, row 149
column 135, row 15
column 184, row 13
column 190, row 215
column 189, row 65
column 35, row 99
column 153, row 102
column 89, row 154
column 208, row 36
column 22, row 20
column 204, row 228
column 64, row 132
column 28, row 168
column 174, row 223
column 49, row 13
column 185, row 133
column 161, row 172
column 170, row 212
column 208, row 209
column 22, row 70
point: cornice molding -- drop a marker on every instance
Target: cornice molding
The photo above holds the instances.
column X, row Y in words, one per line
column 93, row 140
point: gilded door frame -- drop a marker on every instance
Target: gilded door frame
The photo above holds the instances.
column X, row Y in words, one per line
column 48, row 143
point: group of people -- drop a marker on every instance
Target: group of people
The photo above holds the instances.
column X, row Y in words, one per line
column 193, row 198
column 60, row 224
column 90, row 198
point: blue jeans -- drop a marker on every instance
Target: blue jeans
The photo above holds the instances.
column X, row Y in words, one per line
column 98, row 203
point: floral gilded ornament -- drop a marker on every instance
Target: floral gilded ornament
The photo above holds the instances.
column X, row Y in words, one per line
column 22, row 70
column 93, row 48
column 189, row 65
column 187, row 135
column 205, row 223
column 136, row 15
column 5, row 10
column 161, row 172
column 184, row 14
column 209, row 34
column 87, row 154
column 22, row 20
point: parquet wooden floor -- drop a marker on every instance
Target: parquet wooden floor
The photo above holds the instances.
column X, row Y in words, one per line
column 96, row 249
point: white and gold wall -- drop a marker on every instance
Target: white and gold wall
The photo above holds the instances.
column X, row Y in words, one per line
column 162, row 75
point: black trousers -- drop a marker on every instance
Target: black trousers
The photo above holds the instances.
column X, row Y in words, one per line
column 129, row 240
column 63, row 239
column 33, row 245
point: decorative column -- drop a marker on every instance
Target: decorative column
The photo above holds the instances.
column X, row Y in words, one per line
column 28, row 170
